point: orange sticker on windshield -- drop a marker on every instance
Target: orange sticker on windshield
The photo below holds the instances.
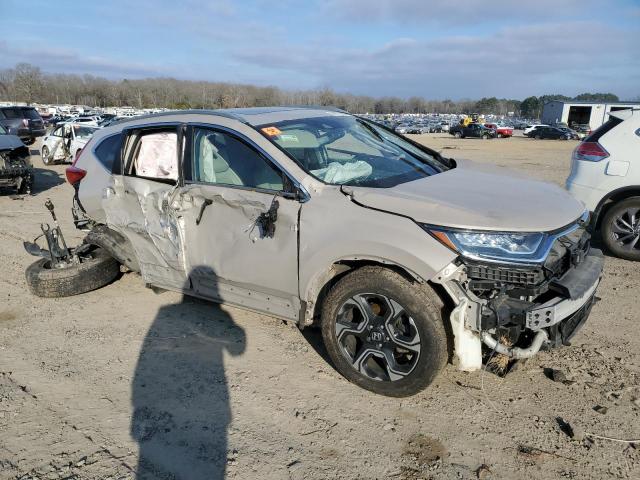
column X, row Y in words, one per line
column 271, row 131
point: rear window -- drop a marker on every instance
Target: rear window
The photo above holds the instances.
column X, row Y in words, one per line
column 12, row 112
column 109, row 150
column 21, row 113
column 31, row 113
column 606, row 127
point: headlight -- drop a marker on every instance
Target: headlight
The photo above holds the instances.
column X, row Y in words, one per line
column 497, row 247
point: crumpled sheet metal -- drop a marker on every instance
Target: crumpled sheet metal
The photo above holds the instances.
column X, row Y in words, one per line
column 143, row 214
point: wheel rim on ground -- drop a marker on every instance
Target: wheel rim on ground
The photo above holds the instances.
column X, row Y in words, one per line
column 377, row 337
column 626, row 229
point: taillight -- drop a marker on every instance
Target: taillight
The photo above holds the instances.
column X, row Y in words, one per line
column 73, row 173
column 590, row 152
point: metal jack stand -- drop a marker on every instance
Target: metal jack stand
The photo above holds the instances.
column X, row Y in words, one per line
column 61, row 255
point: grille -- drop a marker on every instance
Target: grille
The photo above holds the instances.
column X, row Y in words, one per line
column 519, row 277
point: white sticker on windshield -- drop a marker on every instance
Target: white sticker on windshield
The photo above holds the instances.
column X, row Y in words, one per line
column 289, row 138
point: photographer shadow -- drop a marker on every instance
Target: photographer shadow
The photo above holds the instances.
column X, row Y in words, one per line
column 180, row 394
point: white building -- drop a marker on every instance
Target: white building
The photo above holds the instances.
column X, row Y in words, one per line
column 583, row 113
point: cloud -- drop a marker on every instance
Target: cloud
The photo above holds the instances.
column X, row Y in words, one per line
column 385, row 47
column 69, row 61
column 446, row 12
column 514, row 61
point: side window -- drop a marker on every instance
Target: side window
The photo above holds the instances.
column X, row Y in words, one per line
column 109, row 150
column 221, row 158
column 154, row 155
column 57, row 132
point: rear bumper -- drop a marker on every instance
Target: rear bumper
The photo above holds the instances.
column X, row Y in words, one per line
column 31, row 132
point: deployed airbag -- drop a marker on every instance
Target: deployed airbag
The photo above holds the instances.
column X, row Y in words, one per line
column 337, row 172
column 158, row 156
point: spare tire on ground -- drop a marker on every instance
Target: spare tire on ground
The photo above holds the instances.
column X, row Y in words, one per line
column 96, row 269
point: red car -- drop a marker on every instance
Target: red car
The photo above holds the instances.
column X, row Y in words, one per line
column 501, row 131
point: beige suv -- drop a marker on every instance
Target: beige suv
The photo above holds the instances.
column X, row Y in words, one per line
column 403, row 257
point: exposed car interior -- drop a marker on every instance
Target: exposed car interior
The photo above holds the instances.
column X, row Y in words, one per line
column 223, row 159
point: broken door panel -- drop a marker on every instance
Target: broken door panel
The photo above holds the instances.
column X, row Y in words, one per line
column 143, row 211
column 242, row 247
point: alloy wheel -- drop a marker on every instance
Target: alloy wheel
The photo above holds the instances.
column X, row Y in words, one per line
column 378, row 337
column 626, row 229
column 45, row 155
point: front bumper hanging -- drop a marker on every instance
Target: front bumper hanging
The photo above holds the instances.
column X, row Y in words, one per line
column 548, row 319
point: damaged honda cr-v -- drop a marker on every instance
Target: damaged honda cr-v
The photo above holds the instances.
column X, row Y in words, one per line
column 403, row 257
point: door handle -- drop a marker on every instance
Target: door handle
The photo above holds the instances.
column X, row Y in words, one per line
column 204, row 205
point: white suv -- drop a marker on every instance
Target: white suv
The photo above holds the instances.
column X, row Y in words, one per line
column 605, row 176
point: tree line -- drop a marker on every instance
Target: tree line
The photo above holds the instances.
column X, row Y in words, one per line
column 27, row 83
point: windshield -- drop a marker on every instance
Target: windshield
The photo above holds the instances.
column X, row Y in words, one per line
column 83, row 132
column 346, row 150
column 2, row 130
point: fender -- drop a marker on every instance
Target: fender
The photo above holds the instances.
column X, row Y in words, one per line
column 312, row 284
column 615, row 195
column 117, row 245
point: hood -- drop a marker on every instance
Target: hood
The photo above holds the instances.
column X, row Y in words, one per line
column 477, row 197
column 10, row 142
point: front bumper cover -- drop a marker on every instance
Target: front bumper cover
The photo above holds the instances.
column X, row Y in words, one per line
column 578, row 287
column 556, row 318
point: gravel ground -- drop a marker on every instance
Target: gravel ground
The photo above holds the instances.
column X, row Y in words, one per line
column 90, row 384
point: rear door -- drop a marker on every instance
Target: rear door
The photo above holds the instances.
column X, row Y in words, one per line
column 55, row 143
column 141, row 203
column 240, row 223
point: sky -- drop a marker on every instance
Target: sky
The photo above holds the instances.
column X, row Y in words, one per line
column 435, row 49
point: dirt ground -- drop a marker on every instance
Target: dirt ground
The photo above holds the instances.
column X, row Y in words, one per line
column 89, row 383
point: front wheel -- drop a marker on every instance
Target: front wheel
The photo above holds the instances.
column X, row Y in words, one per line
column 621, row 229
column 457, row 134
column 383, row 332
column 485, row 136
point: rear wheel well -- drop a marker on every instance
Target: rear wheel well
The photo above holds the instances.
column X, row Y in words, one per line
column 613, row 198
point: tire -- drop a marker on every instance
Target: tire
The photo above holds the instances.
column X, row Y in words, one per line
column 386, row 292
column 619, row 234
column 44, row 153
column 485, row 136
column 457, row 134
column 500, row 135
column 91, row 274
column 538, row 137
